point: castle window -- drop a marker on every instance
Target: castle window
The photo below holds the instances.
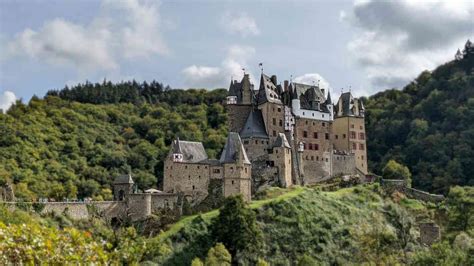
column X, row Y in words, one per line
column 306, row 122
column 354, row 146
column 326, row 159
column 279, row 109
column 317, row 158
column 305, row 134
column 312, row 158
column 232, row 182
column 263, row 142
column 313, row 123
column 194, row 187
column 353, row 135
column 246, row 142
column 316, row 146
column 337, row 137
column 306, row 157
column 199, row 177
column 185, row 167
column 198, row 166
column 313, row 114
column 205, row 167
column 362, row 157
column 361, row 136
column 327, row 135
column 276, row 151
column 274, row 121
column 245, row 169
column 274, row 133
column 256, row 141
column 343, row 136
column 352, row 125
column 323, row 117
column 361, row 127
column 315, row 135
column 281, row 123
column 189, row 177
column 216, row 171
column 324, row 124
column 310, row 146
column 361, row 147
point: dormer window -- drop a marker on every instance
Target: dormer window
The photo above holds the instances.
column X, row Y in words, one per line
column 177, row 157
column 231, row 99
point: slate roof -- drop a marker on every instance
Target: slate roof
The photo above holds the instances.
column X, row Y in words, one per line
column 236, row 88
column 281, row 141
column 193, row 152
column 347, row 103
column 310, row 96
column 254, row 126
column 268, row 92
column 234, row 150
column 123, row 179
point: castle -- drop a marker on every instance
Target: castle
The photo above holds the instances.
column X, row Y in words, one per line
column 279, row 135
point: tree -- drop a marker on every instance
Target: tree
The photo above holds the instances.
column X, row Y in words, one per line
column 394, row 170
column 218, row 256
column 236, row 226
column 460, row 209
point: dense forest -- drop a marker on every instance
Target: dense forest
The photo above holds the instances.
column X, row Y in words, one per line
column 59, row 148
column 428, row 125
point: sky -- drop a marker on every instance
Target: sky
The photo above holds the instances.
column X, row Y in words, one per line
column 362, row 46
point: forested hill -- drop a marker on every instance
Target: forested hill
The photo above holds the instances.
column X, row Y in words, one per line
column 428, row 126
column 63, row 148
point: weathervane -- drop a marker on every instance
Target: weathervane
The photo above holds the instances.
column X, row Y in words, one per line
column 243, row 69
column 261, row 66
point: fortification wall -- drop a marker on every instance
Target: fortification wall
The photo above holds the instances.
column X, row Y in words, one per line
column 163, row 201
column 84, row 210
column 343, row 164
column 392, row 185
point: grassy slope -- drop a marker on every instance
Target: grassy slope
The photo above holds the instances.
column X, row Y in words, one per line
column 324, row 225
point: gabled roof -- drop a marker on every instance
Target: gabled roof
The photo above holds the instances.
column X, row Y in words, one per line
column 281, row 141
column 348, row 103
column 237, row 88
column 193, row 152
column 234, row 151
column 254, row 126
column 123, row 179
column 268, row 91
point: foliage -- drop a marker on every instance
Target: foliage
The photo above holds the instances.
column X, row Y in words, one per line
column 394, row 170
column 33, row 244
column 443, row 254
column 218, row 256
column 236, row 227
column 60, row 149
column 460, row 206
column 428, row 126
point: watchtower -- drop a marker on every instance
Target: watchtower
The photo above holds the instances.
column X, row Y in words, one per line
column 123, row 186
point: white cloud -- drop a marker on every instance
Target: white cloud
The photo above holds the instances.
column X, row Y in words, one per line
column 124, row 29
column 7, row 98
column 240, row 23
column 313, row 79
column 235, row 60
column 399, row 39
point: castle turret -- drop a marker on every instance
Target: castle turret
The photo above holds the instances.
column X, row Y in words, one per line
column 237, row 168
column 281, row 157
column 123, row 187
column 177, row 152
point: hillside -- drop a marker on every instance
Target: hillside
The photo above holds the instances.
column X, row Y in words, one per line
column 64, row 149
column 350, row 226
column 428, row 126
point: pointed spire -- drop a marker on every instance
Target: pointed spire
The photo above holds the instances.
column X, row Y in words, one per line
column 328, row 99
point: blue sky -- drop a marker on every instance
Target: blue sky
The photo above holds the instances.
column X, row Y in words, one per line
column 365, row 45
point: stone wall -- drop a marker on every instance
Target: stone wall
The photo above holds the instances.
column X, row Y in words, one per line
column 255, row 147
column 392, row 185
column 344, row 140
column 237, row 180
column 84, row 210
column 188, row 178
column 343, row 163
column 281, row 158
column 429, row 233
column 274, row 117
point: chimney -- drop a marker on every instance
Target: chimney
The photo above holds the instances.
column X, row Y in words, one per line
column 274, row 79
column 285, row 86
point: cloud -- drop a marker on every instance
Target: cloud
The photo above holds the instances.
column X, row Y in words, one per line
column 124, row 30
column 399, row 39
column 235, row 60
column 312, row 78
column 7, row 98
column 240, row 23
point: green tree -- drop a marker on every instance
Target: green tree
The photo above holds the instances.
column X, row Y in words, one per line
column 394, row 170
column 218, row 256
column 236, row 226
column 460, row 209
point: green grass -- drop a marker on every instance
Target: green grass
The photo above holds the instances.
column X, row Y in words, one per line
column 412, row 204
column 173, row 229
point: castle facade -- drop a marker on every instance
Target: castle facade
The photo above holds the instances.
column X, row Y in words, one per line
column 279, row 135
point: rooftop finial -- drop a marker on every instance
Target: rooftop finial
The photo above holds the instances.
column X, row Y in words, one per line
column 261, row 66
column 243, row 69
